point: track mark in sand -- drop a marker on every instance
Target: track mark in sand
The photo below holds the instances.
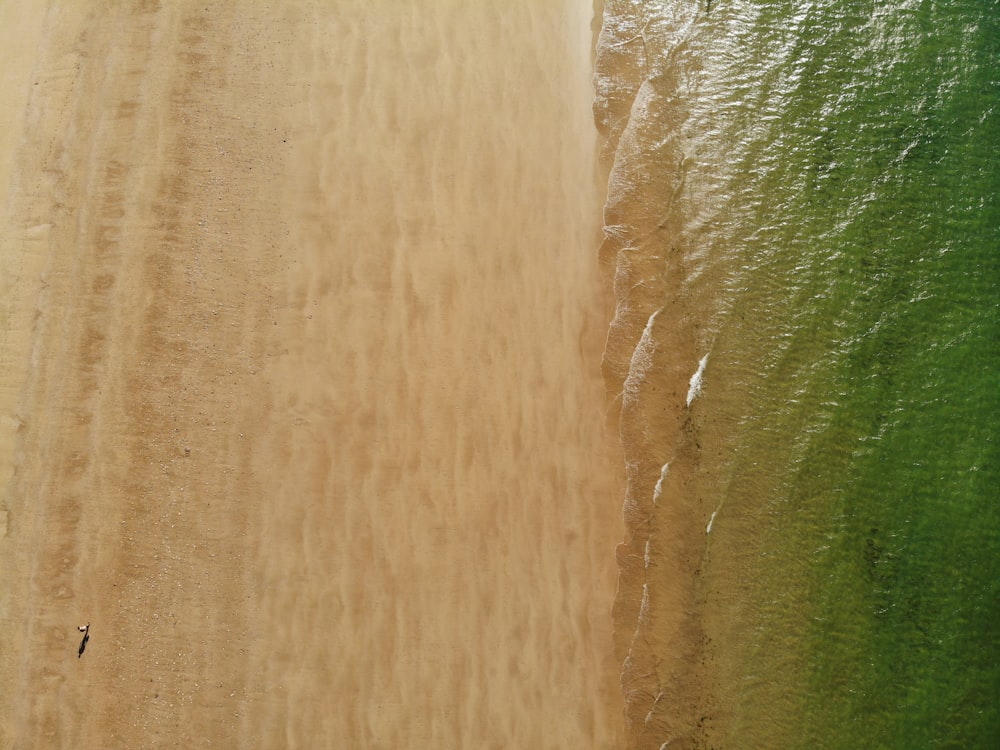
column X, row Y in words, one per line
column 149, row 190
column 77, row 176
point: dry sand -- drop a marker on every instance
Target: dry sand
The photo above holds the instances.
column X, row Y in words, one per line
column 299, row 392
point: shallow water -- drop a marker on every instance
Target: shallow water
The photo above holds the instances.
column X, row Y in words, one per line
column 807, row 194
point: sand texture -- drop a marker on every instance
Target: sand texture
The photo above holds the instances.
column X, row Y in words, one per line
column 300, row 403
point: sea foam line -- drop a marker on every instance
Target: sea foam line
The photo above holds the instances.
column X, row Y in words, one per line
column 658, row 489
column 642, row 359
column 694, row 387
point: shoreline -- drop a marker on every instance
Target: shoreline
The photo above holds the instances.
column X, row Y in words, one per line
column 658, row 346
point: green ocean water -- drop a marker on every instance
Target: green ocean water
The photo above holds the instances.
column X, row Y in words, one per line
column 833, row 169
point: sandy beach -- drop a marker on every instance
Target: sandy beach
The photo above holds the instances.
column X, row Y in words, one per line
column 300, row 398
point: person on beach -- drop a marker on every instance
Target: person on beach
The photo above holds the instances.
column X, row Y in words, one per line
column 85, row 629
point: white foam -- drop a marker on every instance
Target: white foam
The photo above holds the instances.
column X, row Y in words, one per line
column 694, row 387
column 644, row 605
column 641, row 362
column 708, row 529
column 658, row 489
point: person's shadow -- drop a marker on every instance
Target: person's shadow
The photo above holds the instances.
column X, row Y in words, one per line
column 86, row 637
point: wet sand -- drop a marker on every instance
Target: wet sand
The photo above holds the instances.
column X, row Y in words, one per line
column 300, row 403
